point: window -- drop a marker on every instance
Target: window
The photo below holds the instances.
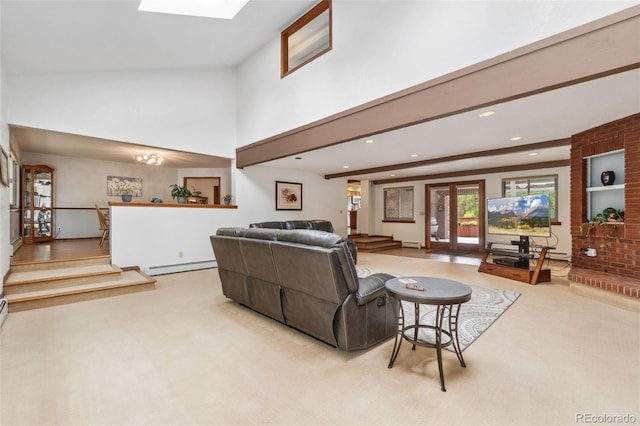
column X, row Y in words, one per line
column 516, row 187
column 398, row 204
column 14, row 181
column 307, row 38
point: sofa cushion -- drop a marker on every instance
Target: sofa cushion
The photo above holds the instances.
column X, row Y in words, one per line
column 270, row 225
column 297, row 224
column 348, row 267
column 310, row 269
column 262, row 234
column 231, row 232
column 310, row 238
column 321, row 225
column 371, row 287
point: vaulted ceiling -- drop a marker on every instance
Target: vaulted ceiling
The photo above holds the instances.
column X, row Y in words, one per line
column 62, row 36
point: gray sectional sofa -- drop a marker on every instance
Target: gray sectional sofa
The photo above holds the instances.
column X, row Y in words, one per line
column 305, row 279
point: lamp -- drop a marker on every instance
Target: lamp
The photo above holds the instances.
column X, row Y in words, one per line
column 152, row 159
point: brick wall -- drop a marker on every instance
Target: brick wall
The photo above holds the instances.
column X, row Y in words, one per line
column 616, row 268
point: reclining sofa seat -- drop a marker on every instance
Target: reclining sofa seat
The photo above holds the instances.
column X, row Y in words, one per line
column 307, row 280
column 317, row 224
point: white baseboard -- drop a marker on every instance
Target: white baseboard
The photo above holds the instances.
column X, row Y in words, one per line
column 180, row 267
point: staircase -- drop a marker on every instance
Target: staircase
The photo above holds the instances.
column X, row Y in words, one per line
column 32, row 285
column 374, row 243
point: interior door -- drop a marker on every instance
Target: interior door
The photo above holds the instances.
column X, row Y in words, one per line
column 456, row 216
column 208, row 187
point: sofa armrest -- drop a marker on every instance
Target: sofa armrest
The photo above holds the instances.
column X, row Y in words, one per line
column 371, row 287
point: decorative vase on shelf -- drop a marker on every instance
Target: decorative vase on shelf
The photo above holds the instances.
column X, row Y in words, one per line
column 608, row 177
column 126, row 197
column 182, row 200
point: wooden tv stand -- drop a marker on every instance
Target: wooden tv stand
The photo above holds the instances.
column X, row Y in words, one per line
column 519, row 273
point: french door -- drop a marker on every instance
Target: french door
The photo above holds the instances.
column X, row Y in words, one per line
column 456, row 216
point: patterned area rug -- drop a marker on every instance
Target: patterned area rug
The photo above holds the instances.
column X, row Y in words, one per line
column 476, row 315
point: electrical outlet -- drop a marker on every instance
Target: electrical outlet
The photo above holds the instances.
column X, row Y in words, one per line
column 179, row 254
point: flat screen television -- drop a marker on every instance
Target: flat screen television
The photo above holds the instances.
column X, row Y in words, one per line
column 523, row 216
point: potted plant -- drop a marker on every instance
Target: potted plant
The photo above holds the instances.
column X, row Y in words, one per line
column 226, row 199
column 125, row 194
column 609, row 218
column 180, row 193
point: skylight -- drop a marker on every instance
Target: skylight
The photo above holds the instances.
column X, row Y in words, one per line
column 222, row 9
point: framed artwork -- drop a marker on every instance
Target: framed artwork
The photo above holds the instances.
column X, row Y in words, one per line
column 117, row 185
column 4, row 168
column 288, row 196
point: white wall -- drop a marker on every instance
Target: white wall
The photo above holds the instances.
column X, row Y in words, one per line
column 321, row 198
column 187, row 110
column 5, row 246
column 381, row 47
column 185, row 244
column 493, row 183
column 165, row 239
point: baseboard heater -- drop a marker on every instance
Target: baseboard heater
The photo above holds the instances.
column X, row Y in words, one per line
column 415, row 244
column 4, row 309
column 181, row 267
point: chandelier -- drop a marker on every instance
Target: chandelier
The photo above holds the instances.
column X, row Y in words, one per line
column 152, row 159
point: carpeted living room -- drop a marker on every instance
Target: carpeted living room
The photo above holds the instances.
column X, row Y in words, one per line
column 429, row 137
column 185, row 354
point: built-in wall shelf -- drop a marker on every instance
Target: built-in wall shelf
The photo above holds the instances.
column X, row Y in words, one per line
column 601, row 196
column 606, row 188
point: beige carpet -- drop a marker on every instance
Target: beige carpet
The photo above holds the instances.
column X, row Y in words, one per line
column 184, row 355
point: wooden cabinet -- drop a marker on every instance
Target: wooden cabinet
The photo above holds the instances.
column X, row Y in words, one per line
column 37, row 204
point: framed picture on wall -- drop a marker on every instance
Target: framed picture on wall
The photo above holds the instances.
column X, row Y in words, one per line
column 288, row 196
column 118, row 185
column 4, row 168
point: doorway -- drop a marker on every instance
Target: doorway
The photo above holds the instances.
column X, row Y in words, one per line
column 456, row 216
column 207, row 187
column 354, row 197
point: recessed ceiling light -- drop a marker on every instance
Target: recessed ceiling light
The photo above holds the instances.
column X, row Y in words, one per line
column 208, row 9
column 414, row 155
column 345, row 167
column 487, row 114
column 298, row 158
column 392, row 174
column 532, row 153
column 369, row 141
column 516, row 138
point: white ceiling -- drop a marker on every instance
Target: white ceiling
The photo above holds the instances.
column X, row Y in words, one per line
column 63, row 36
column 65, row 144
column 548, row 116
column 51, row 36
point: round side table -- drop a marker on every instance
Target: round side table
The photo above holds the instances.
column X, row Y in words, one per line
column 446, row 295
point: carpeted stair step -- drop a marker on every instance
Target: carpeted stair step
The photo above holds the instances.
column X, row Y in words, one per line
column 373, row 243
column 127, row 282
column 61, row 263
column 47, row 279
column 380, row 246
